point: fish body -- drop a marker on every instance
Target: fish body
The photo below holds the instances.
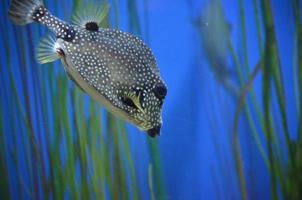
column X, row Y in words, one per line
column 113, row 67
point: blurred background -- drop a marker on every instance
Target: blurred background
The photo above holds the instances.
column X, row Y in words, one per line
column 232, row 117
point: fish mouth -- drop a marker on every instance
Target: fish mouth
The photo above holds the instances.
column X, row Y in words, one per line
column 155, row 131
column 151, row 131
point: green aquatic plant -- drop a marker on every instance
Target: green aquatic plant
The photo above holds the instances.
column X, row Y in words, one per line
column 281, row 154
column 4, row 187
column 61, row 143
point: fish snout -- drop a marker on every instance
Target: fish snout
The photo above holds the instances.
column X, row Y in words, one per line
column 153, row 132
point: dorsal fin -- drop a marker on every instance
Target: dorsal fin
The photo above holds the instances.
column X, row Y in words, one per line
column 48, row 50
column 91, row 16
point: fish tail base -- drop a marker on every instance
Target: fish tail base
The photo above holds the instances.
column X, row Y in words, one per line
column 23, row 12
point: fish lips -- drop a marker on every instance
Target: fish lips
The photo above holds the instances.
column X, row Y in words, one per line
column 153, row 132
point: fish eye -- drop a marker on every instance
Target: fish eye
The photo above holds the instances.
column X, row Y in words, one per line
column 160, row 91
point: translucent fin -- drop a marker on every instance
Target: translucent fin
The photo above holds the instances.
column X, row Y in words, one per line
column 21, row 11
column 47, row 50
column 90, row 13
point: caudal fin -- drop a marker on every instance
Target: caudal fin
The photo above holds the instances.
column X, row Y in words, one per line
column 22, row 11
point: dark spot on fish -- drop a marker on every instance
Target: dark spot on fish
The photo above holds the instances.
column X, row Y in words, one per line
column 91, row 26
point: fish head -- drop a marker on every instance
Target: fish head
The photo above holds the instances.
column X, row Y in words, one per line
column 143, row 105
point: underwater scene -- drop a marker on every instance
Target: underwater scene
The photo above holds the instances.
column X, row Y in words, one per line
column 151, row 99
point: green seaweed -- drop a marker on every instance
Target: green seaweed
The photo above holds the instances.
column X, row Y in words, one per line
column 4, row 185
column 282, row 159
column 236, row 142
column 150, row 181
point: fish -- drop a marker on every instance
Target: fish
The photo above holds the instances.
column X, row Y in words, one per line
column 115, row 68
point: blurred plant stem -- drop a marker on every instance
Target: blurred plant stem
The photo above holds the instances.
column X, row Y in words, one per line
column 283, row 159
column 272, row 78
column 4, row 184
column 258, row 24
column 150, row 181
column 236, row 142
column 271, row 72
column 157, row 172
column 295, row 171
column 115, row 9
column 297, row 14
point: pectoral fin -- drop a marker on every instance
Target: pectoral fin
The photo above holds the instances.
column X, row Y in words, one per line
column 46, row 51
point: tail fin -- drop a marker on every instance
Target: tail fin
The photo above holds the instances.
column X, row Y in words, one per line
column 22, row 11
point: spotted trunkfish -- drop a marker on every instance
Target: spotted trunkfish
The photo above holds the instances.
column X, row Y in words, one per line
column 113, row 67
